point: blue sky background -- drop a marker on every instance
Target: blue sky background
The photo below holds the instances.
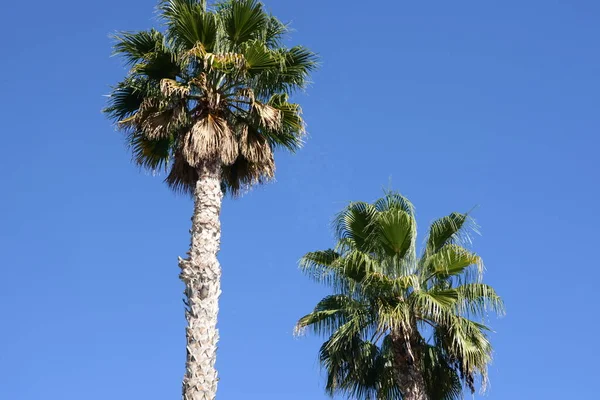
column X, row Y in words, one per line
column 455, row 104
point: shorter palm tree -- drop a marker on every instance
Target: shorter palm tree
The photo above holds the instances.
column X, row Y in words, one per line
column 400, row 326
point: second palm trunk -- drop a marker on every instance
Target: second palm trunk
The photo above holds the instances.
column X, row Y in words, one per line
column 201, row 274
column 407, row 358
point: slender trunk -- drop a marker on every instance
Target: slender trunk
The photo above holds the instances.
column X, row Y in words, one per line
column 407, row 360
column 201, row 274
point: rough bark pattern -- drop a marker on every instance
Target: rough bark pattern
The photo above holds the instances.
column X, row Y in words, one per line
column 201, row 274
column 407, row 360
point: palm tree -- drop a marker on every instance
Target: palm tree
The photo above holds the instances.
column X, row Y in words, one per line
column 400, row 326
column 207, row 101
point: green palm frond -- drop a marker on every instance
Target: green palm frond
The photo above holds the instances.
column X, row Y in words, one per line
column 355, row 222
column 395, row 201
column 150, row 154
column 436, row 306
column 126, row 98
column 188, row 23
column 393, row 314
column 442, row 380
column 138, row 46
column 341, row 365
column 159, row 65
column 408, row 283
column 394, row 232
column 477, row 299
column 446, row 230
column 320, row 263
column 298, row 62
column 291, row 72
column 453, row 260
column 274, row 32
column 343, row 273
column 259, row 57
column 292, row 130
column 147, row 53
column 332, row 313
column 466, row 342
column 244, row 20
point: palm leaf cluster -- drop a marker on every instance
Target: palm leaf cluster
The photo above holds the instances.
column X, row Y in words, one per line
column 392, row 310
column 214, row 86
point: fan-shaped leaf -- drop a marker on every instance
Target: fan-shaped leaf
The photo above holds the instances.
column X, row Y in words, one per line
column 444, row 231
column 395, row 231
column 189, row 23
column 244, row 20
column 452, row 260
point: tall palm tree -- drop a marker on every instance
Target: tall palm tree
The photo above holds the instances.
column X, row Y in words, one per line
column 206, row 100
column 400, row 326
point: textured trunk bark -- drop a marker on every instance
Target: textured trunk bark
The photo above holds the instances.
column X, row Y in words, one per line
column 407, row 357
column 201, row 274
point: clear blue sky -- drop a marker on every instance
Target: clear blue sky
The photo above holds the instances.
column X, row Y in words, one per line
column 457, row 104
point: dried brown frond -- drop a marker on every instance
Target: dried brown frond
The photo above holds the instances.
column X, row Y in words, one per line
column 128, row 122
column 170, row 87
column 254, row 147
column 148, row 107
column 161, row 124
column 156, row 125
column 201, row 81
column 198, row 51
column 269, row 116
column 210, row 137
column 229, row 148
column 243, row 174
column 245, row 93
column 225, row 61
column 266, row 168
column 183, row 177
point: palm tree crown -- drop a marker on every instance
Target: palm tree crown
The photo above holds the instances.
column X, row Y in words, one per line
column 213, row 86
column 394, row 312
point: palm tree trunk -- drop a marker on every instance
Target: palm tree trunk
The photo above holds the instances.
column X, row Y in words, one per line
column 201, row 274
column 407, row 360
